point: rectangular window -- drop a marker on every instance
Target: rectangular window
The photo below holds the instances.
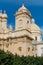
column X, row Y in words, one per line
column 42, row 54
column 36, row 38
column 42, row 51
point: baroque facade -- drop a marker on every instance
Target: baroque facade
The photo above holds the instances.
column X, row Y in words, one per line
column 26, row 39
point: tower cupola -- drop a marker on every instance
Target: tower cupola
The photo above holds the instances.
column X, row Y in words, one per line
column 0, row 20
column 23, row 9
column 4, row 20
column 4, row 15
column 23, row 17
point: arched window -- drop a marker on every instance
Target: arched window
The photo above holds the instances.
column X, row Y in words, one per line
column 20, row 20
column 20, row 49
column 28, row 48
column 36, row 38
column 27, row 21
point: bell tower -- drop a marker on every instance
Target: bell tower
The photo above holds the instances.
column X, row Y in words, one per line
column 0, row 20
column 22, row 18
column 4, row 20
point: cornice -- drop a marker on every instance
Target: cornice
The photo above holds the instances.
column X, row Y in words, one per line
column 14, row 34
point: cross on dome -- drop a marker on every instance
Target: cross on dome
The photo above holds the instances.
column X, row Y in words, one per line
column 23, row 7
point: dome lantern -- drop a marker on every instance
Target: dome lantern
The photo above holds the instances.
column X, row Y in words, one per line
column 23, row 8
column 33, row 21
column 10, row 28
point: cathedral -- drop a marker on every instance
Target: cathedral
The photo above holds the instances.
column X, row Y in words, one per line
column 26, row 39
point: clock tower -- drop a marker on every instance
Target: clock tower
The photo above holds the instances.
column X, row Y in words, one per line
column 23, row 17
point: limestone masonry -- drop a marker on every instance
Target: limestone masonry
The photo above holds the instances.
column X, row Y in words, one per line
column 26, row 39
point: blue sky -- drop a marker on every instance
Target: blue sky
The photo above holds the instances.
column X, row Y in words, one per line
column 34, row 6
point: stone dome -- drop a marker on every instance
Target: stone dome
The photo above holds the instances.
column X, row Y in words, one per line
column 23, row 9
column 35, row 28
